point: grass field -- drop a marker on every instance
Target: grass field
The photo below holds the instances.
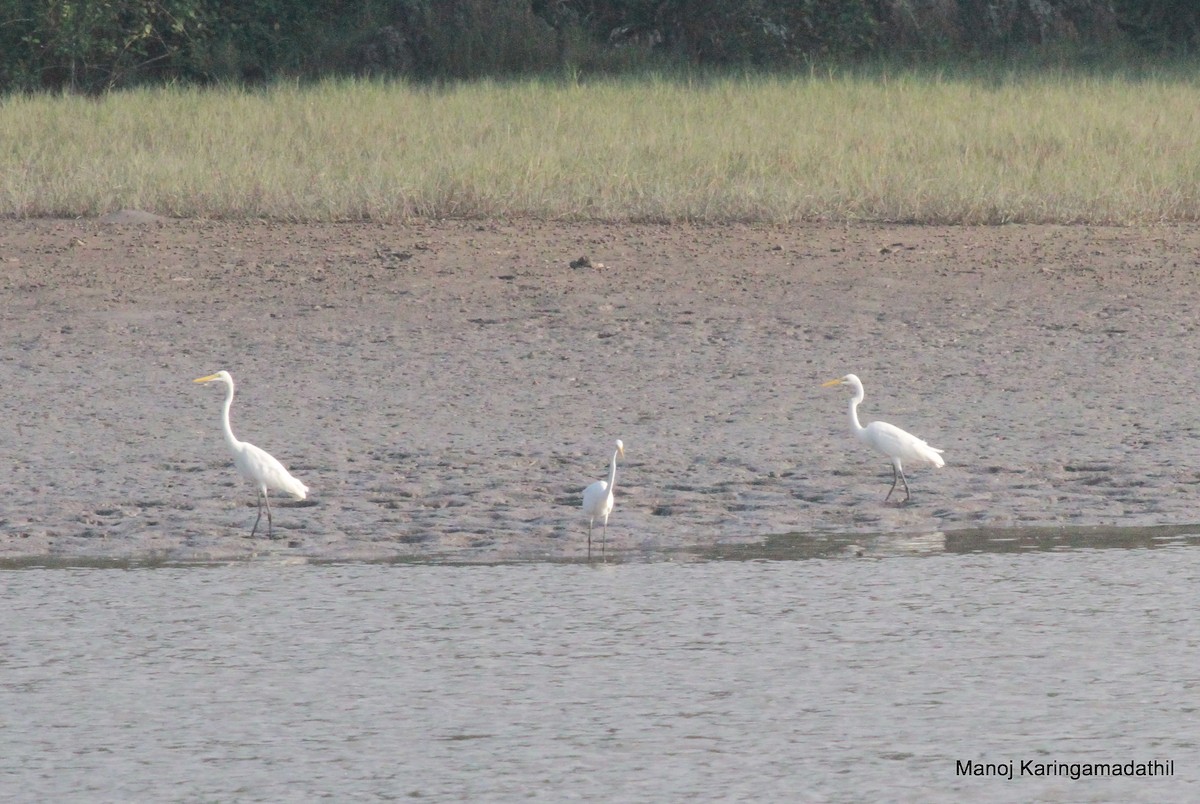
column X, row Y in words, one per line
column 915, row 147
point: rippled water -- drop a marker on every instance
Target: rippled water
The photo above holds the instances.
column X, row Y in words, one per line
column 819, row 670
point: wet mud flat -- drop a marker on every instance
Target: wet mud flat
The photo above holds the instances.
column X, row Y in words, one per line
column 447, row 389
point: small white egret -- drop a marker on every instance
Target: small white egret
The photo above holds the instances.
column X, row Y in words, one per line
column 254, row 464
column 898, row 445
column 598, row 500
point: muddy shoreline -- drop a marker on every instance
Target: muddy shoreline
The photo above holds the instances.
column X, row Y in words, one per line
column 448, row 388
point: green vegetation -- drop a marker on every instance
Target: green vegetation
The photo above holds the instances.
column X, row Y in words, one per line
column 896, row 145
column 665, row 110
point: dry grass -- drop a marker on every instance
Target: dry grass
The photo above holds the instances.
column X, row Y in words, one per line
column 914, row 148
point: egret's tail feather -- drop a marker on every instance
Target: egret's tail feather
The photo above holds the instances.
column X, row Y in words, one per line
column 930, row 455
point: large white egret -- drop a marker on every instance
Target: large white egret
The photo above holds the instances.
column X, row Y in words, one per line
column 256, row 465
column 900, row 446
column 598, row 500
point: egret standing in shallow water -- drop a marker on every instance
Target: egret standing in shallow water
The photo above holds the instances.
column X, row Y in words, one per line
column 898, row 445
column 598, row 500
column 254, row 464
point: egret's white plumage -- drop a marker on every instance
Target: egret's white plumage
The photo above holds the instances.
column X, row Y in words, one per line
column 900, row 446
column 598, row 500
column 256, row 465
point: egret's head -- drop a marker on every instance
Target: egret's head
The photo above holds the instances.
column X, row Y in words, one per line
column 220, row 376
column 849, row 379
column 621, row 448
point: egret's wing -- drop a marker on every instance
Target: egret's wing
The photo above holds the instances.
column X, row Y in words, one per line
column 901, row 444
column 261, row 468
column 594, row 495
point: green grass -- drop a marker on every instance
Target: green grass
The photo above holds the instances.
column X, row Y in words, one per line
column 907, row 146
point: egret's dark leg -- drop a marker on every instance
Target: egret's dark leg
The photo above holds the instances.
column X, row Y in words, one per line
column 895, row 477
column 907, row 493
column 604, row 541
column 270, row 529
column 590, row 522
column 254, row 529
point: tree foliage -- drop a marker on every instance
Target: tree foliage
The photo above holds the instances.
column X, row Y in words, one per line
column 97, row 45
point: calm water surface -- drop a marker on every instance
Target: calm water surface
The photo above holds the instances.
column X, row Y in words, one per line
column 788, row 677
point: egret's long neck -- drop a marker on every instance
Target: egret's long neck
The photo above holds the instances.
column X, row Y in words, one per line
column 612, row 473
column 854, row 424
column 230, row 439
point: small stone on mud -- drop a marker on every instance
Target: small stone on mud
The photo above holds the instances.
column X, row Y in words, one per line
column 584, row 262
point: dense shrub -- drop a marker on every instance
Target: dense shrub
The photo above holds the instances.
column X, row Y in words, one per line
column 1161, row 25
column 716, row 32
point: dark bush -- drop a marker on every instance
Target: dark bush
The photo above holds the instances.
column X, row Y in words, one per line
column 723, row 32
column 1161, row 25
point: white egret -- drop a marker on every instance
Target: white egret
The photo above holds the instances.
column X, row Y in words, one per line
column 254, row 464
column 598, row 500
column 900, row 446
